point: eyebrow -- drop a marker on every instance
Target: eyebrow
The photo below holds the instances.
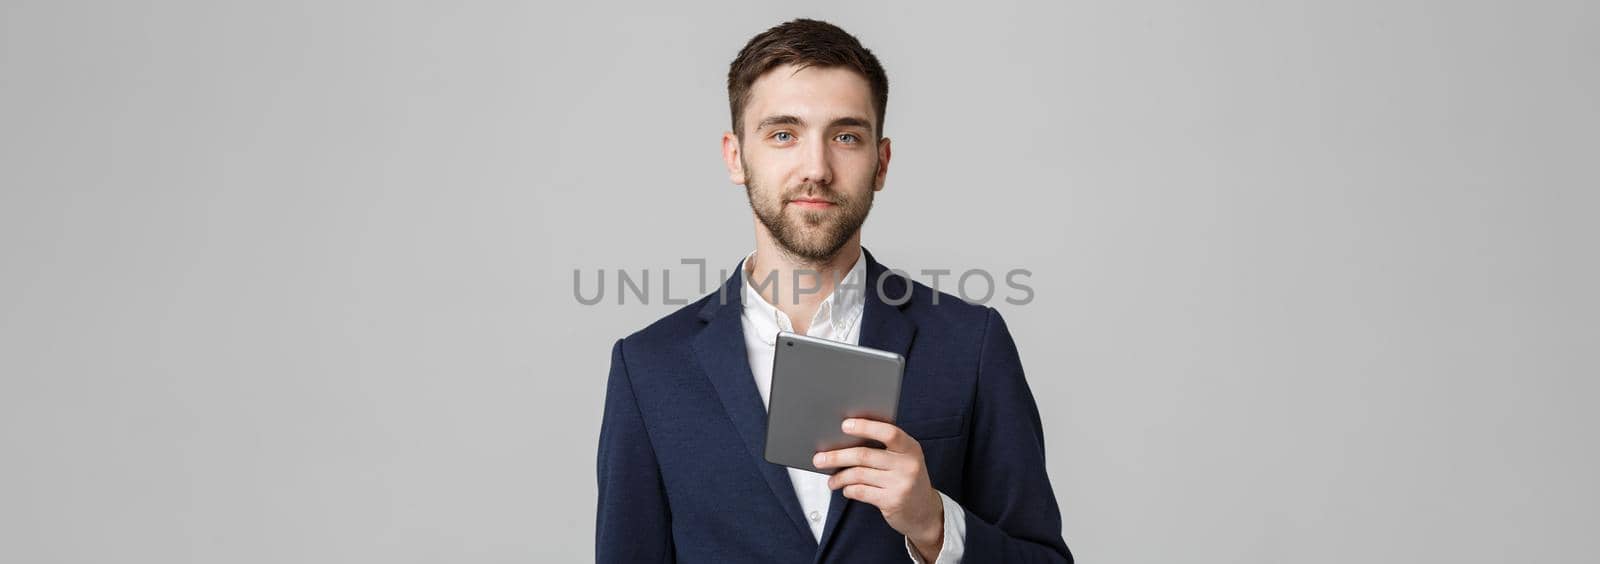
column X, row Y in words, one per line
column 783, row 119
column 851, row 122
column 770, row 121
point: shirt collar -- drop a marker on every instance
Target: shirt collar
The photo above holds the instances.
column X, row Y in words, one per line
column 840, row 311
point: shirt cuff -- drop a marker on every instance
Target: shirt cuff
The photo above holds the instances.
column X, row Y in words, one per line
column 955, row 535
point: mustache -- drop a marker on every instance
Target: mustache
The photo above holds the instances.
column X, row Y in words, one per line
column 812, row 192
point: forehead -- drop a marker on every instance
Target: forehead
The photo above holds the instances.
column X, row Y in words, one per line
column 813, row 94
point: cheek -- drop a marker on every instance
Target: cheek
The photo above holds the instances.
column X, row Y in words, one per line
column 766, row 171
column 858, row 169
column 754, row 162
column 857, row 162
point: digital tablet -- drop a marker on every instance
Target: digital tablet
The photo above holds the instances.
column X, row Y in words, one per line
column 816, row 385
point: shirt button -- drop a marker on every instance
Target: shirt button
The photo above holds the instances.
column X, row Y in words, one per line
column 814, row 516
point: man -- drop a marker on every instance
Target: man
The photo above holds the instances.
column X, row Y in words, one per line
column 681, row 472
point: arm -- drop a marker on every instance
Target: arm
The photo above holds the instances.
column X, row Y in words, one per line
column 1011, row 511
column 632, row 521
column 955, row 536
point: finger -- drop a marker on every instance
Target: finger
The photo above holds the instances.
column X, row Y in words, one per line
column 854, row 456
column 860, row 475
column 891, row 436
column 866, row 494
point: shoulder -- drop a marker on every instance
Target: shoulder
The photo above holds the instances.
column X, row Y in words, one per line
column 943, row 311
column 957, row 328
column 669, row 334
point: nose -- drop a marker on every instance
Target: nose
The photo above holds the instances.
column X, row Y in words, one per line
column 816, row 168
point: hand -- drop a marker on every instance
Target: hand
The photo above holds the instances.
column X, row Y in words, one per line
column 894, row 479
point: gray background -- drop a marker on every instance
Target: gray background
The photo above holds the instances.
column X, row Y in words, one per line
column 292, row 281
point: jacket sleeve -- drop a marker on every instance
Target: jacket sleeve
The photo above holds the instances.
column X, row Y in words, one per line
column 632, row 521
column 1012, row 514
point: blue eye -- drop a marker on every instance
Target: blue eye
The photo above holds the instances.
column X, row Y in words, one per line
column 783, row 136
column 847, row 137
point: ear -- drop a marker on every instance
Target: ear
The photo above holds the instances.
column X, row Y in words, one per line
column 730, row 157
column 884, row 153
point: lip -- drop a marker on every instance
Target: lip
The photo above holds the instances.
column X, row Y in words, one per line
column 811, row 203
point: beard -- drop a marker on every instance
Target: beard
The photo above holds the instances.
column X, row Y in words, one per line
column 814, row 236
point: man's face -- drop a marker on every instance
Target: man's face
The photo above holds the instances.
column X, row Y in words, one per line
column 809, row 157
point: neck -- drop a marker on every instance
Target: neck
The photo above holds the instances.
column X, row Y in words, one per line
column 798, row 286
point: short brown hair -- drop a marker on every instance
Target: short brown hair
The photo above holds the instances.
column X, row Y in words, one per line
column 803, row 43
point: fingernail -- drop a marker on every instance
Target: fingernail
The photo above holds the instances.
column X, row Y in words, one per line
column 819, row 459
column 849, row 424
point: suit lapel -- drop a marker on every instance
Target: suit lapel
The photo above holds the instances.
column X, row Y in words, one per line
column 720, row 349
column 883, row 327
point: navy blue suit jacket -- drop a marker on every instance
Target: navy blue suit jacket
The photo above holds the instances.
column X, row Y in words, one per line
column 681, row 473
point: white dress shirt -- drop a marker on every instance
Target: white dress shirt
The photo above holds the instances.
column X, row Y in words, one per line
column 838, row 318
